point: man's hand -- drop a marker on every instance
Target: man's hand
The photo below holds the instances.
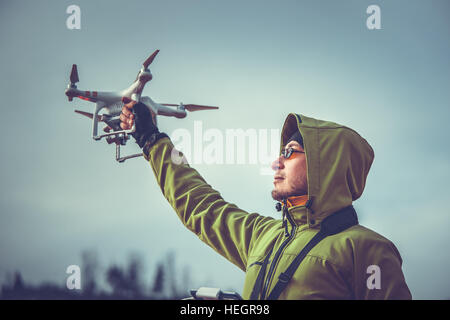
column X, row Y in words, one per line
column 139, row 113
column 127, row 116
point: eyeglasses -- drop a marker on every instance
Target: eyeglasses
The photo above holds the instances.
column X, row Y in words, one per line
column 287, row 153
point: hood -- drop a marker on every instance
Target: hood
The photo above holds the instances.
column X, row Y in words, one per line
column 338, row 162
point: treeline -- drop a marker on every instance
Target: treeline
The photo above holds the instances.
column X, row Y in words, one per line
column 122, row 282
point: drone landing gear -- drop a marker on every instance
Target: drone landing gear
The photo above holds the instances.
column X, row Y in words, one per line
column 120, row 160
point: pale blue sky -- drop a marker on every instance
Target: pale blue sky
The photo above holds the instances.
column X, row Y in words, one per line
column 62, row 192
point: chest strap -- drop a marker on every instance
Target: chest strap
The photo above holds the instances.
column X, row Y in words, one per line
column 333, row 224
column 259, row 281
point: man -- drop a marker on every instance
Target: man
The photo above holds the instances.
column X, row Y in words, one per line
column 318, row 250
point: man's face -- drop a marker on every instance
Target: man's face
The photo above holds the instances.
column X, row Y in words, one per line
column 290, row 177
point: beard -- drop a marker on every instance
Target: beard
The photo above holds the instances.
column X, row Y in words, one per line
column 279, row 196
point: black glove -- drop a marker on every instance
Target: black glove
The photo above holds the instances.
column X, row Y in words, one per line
column 145, row 127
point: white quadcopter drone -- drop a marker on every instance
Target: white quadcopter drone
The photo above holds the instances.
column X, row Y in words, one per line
column 112, row 102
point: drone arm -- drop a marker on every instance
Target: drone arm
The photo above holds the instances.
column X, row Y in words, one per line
column 171, row 112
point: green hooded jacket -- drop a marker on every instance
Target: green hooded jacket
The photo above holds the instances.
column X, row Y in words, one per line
column 338, row 267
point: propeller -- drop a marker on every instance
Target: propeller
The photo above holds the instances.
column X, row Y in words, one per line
column 191, row 107
column 150, row 59
column 74, row 74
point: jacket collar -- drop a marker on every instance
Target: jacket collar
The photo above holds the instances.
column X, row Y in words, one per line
column 297, row 201
column 299, row 211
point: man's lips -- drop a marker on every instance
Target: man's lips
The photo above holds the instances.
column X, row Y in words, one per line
column 277, row 178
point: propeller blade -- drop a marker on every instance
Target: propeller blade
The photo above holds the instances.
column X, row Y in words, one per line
column 191, row 107
column 150, row 59
column 89, row 115
column 74, row 74
column 196, row 107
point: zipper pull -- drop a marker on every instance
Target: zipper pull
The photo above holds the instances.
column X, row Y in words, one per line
column 285, row 224
column 278, row 206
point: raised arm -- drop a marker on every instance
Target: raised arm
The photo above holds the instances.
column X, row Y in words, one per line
column 223, row 226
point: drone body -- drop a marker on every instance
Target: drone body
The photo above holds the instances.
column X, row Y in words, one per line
column 111, row 103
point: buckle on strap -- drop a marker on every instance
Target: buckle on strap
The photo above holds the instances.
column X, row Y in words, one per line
column 284, row 278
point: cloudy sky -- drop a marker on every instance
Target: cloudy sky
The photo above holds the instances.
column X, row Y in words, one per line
column 62, row 192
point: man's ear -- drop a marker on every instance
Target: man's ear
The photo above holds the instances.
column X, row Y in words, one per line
column 294, row 144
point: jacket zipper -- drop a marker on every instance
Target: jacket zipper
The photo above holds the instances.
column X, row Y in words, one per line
column 276, row 258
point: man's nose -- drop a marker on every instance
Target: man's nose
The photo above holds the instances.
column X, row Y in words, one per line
column 277, row 164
